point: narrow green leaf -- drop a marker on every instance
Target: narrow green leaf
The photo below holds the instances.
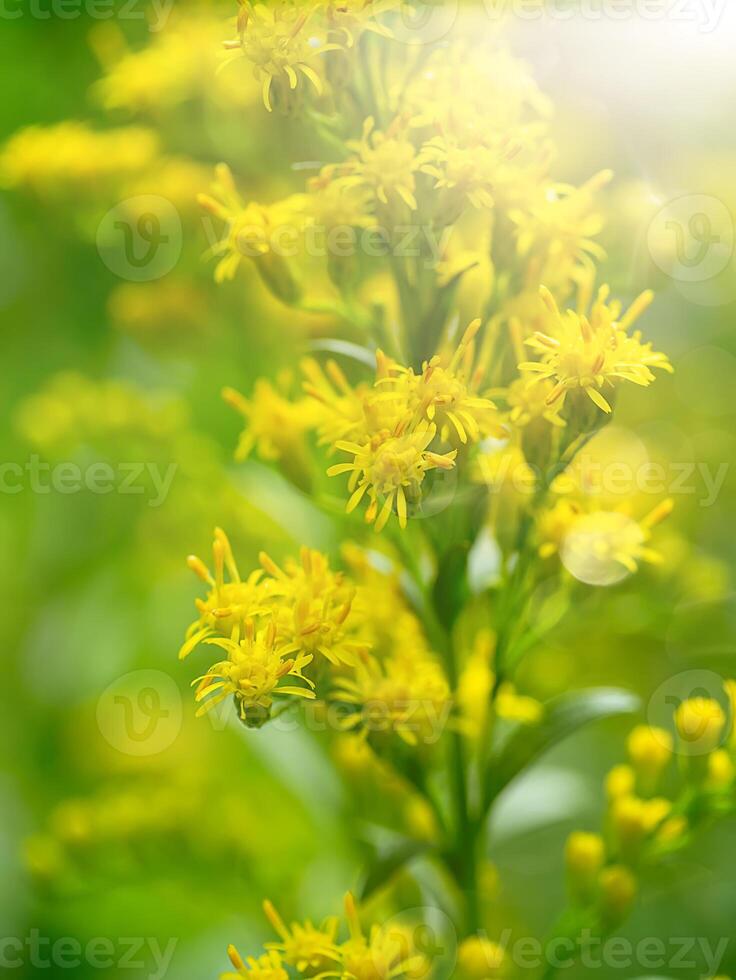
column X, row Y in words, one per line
column 563, row 716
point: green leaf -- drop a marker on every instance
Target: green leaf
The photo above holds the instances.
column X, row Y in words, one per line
column 390, row 863
column 451, row 589
column 346, row 348
column 563, row 716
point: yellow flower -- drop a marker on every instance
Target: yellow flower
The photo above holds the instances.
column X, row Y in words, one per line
column 517, row 707
column 405, row 694
column 252, row 673
column 390, row 466
column 620, row 782
column 229, row 603
column 634, row 819
column 266, row 967
column 274, row 426
column 384, row 162
column 384, row 954
column 556, row 225
column 588, row 354
column 351, row 18
column 721, row 769
column 618, row 888
column 71, row 157
column 338, row 409
column 339, row 202
column 528, row 400
column 700, row 722
column 584, row 858
column 650, row 749
column 280, row 40
column 479, row 958
column 603, row 546
column 444, row 393
column 309, row 949
column 256, row 231
column 312, row 607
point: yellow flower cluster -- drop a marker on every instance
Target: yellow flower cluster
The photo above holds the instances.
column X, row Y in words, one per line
column 403, row 416
column 593, row 353
column 289, row 41
column 642, row 820
column 71, row 156
column 272, row 626
column 72, row 410
column 380, row 953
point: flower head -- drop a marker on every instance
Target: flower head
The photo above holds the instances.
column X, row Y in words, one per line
column 390, row 466
column 592, row 354
column 386, row 163
column 700, row 723
column 382, row 954
column 266, row 967
column 406, row 694
column 308, row 948
column 281, row 41
column 253, row 673
column 312, row 607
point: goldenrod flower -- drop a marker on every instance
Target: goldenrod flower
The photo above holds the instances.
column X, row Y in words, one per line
column 275, row 426
column 384, row 162
column 351, row 18
column 584, row 857
column 513, row 706
column 252, row 673
column 634, row 819
column 254, row 231
column 309, row 949
column 266, row 967
column 620, row 782
column 556, row 226
column 603, row 546
column 383, row 954
column 390, row 467
column 406, row 694
column 589, row 354
column 700, row 723
column 528, row 400
column 650, row 749
column 312, row 606
column 281, row 40
column 71, row 157
column 228, row 603
column 721, row 769
column 618, row 888
column 444, row 393
column 338, row 408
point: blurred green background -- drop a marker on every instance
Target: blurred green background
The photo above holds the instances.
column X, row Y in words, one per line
column 189, row 837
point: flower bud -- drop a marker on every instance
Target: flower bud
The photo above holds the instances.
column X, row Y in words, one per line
column 700, row 723
column 479, row 959
column 650, row 749
column 584, row 857
column 721, row 769
column 618, row 889
column 620, row 781
column 634, row 819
